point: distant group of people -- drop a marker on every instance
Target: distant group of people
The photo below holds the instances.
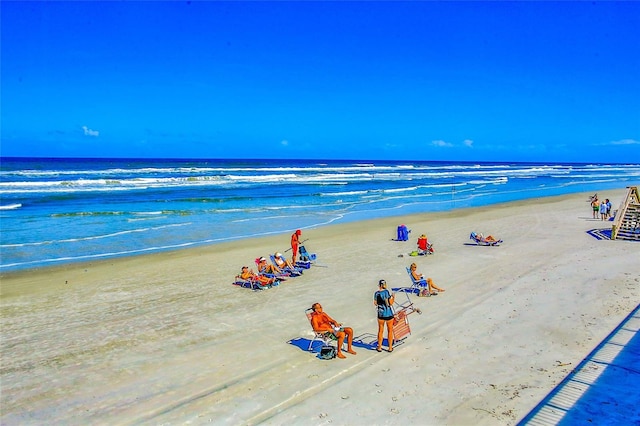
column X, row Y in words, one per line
column 270, row 274
column 383, row 300
column 600, row 208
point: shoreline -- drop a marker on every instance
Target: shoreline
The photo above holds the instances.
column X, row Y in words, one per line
column 166, row 338
column 276, row 240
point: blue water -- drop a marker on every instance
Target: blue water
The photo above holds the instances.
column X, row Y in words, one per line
column 54, row 211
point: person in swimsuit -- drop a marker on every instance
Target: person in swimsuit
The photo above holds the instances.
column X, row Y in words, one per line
column 323, row 323
column 266, row 268
column 595, row 205
column 248, row 274
column 428, row 282
column 383, row 301
column 281, row 262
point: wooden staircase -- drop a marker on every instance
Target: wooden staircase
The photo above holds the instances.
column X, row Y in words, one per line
column 626, row 225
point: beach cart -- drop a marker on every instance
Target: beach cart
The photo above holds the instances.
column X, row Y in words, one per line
column 401, row 326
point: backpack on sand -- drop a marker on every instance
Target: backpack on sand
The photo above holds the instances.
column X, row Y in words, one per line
column 327, row 352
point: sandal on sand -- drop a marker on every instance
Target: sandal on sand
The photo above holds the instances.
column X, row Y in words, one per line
column 379, row 349
column 390, row 350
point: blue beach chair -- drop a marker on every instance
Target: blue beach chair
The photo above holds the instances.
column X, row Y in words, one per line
column 280, row 276
column 480, row 240
column 306, row 258
column 292, row 272
column 250, row 284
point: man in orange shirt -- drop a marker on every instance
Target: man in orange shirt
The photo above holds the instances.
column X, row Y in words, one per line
column 323, row 323
column 295, row 237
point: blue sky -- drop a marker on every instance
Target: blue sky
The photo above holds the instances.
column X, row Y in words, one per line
column 476, row 81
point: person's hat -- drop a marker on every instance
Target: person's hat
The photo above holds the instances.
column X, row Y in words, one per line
column 262, row 259
column 298, row 232
column 278, row 254
column 423, row 236
column 382, row 282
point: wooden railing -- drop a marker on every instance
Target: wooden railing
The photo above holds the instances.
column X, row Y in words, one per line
column 630, row 202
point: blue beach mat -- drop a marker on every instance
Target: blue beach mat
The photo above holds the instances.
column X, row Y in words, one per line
column 600, row 234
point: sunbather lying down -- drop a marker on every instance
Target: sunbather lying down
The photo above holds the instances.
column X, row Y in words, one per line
column 481, row 239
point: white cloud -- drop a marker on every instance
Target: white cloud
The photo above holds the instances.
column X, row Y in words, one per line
column 444, row 144
column 625, row 142
column 284, row 142
column 90, row 132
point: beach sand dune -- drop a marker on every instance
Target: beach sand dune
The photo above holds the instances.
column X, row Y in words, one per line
column 166, row 338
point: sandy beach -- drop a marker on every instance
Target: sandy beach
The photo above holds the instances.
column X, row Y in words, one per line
column 166, row 339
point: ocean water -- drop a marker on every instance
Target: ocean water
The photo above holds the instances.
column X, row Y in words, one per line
column 54, row 211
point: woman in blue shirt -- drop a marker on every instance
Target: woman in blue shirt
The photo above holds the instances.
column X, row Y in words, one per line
column 383, row 300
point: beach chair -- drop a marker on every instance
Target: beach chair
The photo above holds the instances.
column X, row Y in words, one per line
column 325, row 338
column 292, row 272
column 250, row 284
column 480, row 240
column 424, row 246
column 277, row 276
column 417, row 286
column 306, row 258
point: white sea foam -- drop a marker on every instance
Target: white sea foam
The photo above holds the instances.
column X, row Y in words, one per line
column 489, row 181
column 340, row 194
column 410, row 188
column 11, row 206
column 313, row 176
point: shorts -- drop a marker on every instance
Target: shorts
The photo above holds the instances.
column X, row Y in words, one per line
column 331, row 335
column 386, row 318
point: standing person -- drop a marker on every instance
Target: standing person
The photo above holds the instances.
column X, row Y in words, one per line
column 608, row 203
column 603, row 210
column 323, row 323
column 595, row 206
column 383, row 301
column 295, row 239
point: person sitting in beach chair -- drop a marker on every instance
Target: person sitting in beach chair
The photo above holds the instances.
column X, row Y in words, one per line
column 285, row 265
column 482, row 240
column 323, row 323
column 250, row 276
column 266, row 268
column 419, row 280
column 424, row 247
